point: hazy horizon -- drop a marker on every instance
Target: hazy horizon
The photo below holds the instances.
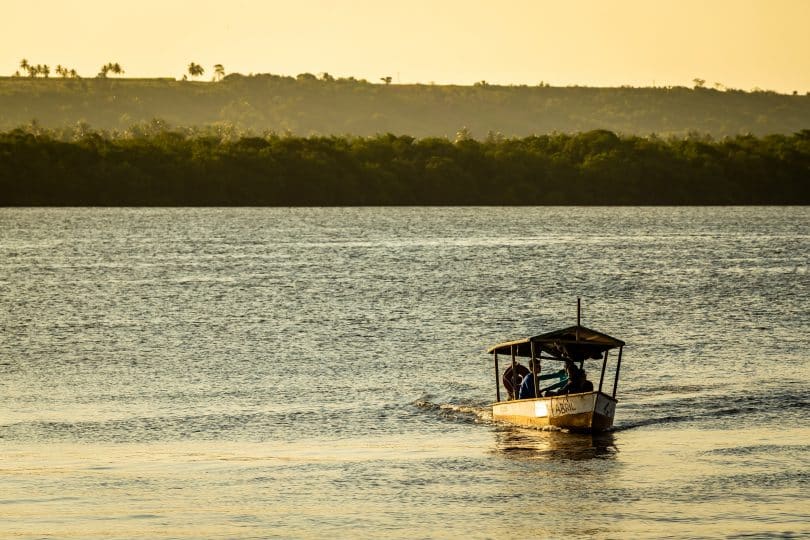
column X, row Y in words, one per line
column 746, row 45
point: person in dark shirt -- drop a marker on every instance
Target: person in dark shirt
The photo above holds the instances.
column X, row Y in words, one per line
column 526, row 390
column 576, row 379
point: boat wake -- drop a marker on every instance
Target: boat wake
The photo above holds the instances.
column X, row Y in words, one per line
column 781, row 403
column 623, row 426
column 688, row 405
column 456, row 412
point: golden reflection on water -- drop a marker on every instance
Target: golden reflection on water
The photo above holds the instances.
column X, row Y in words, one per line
column 633, row 483
column 553, row 444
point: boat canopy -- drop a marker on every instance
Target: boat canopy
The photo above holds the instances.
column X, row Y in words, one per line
column 573, row 343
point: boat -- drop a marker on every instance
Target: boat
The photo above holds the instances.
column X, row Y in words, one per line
column 575, row 407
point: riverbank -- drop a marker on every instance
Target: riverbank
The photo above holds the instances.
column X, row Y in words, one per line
column 151, row 165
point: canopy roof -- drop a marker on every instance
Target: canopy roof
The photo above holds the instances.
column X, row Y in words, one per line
column 574, row 343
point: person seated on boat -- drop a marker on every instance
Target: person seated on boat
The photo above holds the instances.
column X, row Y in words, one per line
column 576, row 379
column 526, row 389
column 520, row 372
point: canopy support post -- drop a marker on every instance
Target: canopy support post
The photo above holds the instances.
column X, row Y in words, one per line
column 604, row 366
column 618, row 366
column 514, row 374
column 535, row 375
column 497, row 382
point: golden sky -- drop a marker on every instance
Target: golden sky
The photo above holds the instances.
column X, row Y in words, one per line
column 739, row 43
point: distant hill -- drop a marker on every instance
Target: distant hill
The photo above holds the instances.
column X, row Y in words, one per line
column 307, row 105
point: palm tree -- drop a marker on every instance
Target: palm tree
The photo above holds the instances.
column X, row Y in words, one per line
column 24, row 65
column 108, row 68
column 73, row 74
column 219, row 72
column 195, row 70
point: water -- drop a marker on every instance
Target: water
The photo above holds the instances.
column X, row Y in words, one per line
column 315, row 373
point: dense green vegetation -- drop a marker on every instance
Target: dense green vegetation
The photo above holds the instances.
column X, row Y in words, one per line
column 155, row 166
column 309, row 105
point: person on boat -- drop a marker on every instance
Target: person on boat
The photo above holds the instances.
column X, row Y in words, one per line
column 526, row 389
column 520, row 372
column 576, row 379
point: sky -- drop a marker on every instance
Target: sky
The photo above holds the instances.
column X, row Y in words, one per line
column 742, row 44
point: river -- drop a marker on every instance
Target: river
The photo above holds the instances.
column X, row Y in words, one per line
column 317, row 373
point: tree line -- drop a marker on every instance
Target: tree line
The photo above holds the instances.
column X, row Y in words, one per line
column 323, row 104
column 157, row 166
column 35, row 70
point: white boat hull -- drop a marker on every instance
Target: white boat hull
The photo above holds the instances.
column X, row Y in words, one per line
column 589, row 411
